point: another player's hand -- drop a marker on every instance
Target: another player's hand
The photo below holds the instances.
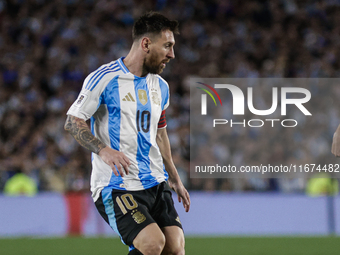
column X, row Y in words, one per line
column 182, row 193
column 115, row 159
column 336, row 143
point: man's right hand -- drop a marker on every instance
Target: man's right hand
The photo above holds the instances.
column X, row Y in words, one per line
column 78, row 128
column 115, row 159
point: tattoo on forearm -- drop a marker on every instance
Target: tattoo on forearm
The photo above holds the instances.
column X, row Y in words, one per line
column 81, row 132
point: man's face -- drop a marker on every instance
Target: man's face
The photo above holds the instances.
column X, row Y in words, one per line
column 161, row 51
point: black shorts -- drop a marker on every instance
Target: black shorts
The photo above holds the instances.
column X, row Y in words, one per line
column 128, row 212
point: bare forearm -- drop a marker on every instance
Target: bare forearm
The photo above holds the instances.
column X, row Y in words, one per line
column 171, row 170
column 164, row 146
column 80, row 131
column 174, row 180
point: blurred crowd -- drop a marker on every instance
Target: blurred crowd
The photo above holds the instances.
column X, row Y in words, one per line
column 48, row 47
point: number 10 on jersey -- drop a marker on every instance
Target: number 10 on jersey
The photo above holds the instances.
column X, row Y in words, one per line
column 143, row 121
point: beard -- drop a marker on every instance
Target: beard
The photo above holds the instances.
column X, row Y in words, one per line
column 152, row 65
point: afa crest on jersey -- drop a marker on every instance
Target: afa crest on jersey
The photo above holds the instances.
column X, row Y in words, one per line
column 155, row 98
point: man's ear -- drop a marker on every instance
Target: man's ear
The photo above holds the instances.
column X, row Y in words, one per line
column 145, row 44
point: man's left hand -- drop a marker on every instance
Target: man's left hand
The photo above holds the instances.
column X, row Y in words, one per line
column 182, row 193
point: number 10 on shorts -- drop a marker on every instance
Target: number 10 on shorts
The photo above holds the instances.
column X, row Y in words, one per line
column 126, row 202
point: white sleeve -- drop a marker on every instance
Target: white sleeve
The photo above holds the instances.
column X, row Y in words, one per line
column 167, row 101
column 165, row 93
column 87, row 102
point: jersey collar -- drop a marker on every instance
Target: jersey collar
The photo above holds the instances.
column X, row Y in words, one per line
column 126, row 70
column 122, row 65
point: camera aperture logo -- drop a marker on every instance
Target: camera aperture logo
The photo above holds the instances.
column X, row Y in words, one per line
column 239, row 105
column 204, row 97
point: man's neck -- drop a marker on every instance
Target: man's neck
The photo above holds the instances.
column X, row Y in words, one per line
column 134, row 62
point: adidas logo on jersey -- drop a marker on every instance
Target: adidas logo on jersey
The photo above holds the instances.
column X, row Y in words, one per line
column 129, row 98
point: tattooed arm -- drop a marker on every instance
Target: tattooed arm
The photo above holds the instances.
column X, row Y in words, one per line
column 80, row 131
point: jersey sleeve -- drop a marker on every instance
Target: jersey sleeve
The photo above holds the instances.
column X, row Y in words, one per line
column 167, row 102
column 88, row 99
column 165, row 93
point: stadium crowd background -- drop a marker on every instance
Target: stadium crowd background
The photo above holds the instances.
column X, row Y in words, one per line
column 48, row 47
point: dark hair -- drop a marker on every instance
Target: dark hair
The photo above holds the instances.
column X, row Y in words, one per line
column 153, row 22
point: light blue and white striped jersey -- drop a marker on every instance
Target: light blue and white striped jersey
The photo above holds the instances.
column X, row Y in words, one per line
column 124, row 111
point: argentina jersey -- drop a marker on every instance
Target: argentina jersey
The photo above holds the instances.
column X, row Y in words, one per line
column 124, row 110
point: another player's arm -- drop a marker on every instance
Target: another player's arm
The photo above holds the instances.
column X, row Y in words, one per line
column 174, row 180
column 336, row 142
column 78, row 128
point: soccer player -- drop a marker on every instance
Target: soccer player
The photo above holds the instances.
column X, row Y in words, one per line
column 336, row 142
column 132, row 166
